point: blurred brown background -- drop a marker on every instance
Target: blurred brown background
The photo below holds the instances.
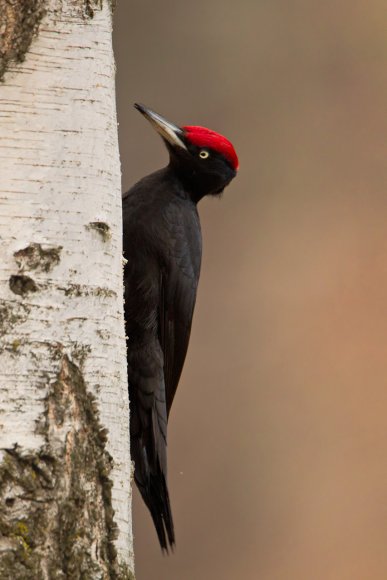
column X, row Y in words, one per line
column 282, row 475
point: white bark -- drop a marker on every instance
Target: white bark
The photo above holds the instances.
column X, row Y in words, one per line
column 61, row 315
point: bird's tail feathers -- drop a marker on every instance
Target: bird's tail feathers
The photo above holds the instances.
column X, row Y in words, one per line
column 155, row 494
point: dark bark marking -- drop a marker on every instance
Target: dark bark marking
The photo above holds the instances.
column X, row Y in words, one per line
column 35, row 257
column 20, row 284
column 83, row 290
column 102, row 228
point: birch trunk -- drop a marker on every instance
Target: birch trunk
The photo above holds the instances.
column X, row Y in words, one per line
column 65, row 466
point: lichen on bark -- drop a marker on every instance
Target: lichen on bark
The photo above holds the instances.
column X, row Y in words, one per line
column 52, row 499
column 11, row 314
column 19, row 23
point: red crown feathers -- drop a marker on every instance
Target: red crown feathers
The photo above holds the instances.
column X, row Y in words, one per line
column 202, row 137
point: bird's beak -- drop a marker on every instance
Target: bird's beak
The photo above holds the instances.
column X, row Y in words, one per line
column 170, row 132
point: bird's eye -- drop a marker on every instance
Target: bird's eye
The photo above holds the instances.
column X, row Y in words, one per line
column 204, row 154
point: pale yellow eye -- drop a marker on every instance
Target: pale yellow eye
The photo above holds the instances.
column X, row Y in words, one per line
column 204, row 154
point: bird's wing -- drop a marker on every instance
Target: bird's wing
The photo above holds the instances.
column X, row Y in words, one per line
column 177, row 301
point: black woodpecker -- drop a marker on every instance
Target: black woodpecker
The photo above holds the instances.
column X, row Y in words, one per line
column 163, row 248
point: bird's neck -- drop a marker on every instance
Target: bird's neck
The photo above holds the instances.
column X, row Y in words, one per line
column 187, row 182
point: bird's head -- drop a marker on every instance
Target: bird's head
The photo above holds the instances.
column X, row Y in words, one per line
column 204, row 161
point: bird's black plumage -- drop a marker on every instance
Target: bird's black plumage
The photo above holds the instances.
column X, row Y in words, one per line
column 163, row 248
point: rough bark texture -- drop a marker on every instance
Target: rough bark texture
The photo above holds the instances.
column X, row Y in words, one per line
column 64, row 440
column 57, row 510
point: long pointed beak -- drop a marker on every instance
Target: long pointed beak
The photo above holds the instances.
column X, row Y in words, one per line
column 170, row 132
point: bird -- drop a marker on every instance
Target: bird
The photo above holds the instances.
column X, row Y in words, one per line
column 162, row 246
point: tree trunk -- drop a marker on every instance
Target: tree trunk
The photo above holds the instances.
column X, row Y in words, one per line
column 65, row 470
